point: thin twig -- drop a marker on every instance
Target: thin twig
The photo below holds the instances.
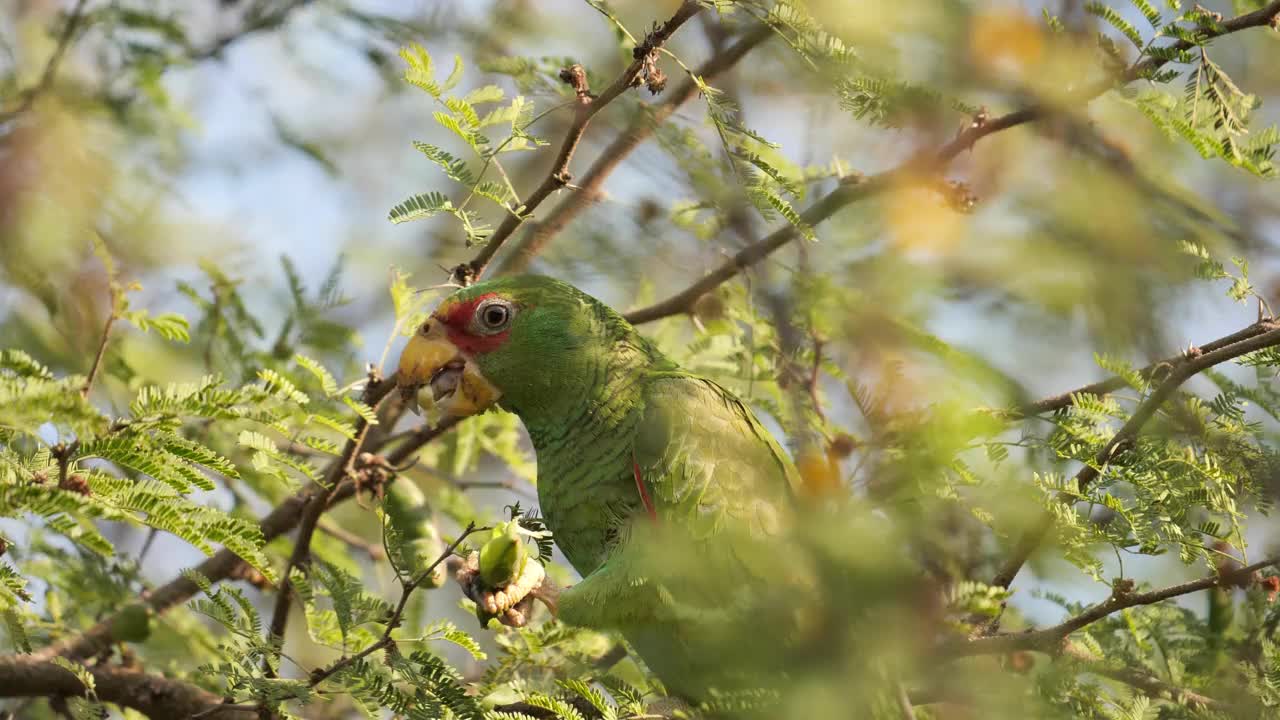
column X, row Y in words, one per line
column 587, row 107
column 151, row 694
column 904, row 701
column 926, row 164
column 147, row 543
column 268, row 21
column 520, row 489
column 51, row 68
column 418, row 438
column 589, row 186
column 1057, row 402
column 682, row 302
column 102, row 350
column 283, row 518
column 225, row 707
column 815, row 376
column 373, row 550
column 117, row 303
column 1179, row 372
column 1051, row 639
column 1149, row 684
column 396, row 617
column 342, row 469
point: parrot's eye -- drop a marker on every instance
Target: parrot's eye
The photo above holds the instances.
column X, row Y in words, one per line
column 493, row 316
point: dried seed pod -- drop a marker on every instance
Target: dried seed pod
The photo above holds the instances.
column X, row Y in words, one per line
column 843, row 445
column 75, row 483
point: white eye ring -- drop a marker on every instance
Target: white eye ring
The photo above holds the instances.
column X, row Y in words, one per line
column 493, row 316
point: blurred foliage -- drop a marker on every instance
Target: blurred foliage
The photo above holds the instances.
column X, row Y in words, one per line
column 163, row 386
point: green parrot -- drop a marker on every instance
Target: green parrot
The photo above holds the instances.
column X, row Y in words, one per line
column 633, row 454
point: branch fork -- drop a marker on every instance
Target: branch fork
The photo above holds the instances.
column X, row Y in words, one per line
column 644, row 64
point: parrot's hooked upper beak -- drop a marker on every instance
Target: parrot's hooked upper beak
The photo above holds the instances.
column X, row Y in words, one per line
column 458, row 388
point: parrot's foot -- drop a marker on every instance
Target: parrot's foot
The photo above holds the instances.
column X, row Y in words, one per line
column 512, row 604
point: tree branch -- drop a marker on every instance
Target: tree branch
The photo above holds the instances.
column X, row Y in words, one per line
column 268, row 21
column 588, row 188
column 586, row 108
column 1054, row 403
column 1180, row 371
column 850, row 191
column 116, row 303
column 922, row 164
column 418, row 438
column 1051, row 639
column 373, row 550
column 397, row 615
column 155, row 696
column 225, row 564
column 846, row 194
column 1149, row 684
column 340, row 471
column 102, row 350
column 904, row 701
column 50, row 71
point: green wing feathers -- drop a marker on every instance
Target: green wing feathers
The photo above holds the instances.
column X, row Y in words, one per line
column 708, row 460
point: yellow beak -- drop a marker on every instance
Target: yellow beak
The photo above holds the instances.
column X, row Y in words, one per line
column 458, row 388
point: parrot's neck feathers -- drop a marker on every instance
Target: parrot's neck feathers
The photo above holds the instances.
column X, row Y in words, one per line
column 591, row 373
column 602, row 401
column 584, row 440
column 582, row 401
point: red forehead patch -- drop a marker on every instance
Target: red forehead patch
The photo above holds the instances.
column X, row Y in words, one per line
column 457, row 317
column 457, row 314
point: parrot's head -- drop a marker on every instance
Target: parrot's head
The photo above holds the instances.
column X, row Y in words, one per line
column 521, row 341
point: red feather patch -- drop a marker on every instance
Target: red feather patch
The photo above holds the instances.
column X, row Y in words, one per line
column 457, row 320
column 640, row 487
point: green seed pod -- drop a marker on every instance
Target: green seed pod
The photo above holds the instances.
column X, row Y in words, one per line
column 419, row 541
column 502, row 558
column 407, row 509
column 133, row 624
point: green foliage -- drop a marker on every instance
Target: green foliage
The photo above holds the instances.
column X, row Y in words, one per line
column 893, row 104
column 1117, row 21
column 463, row 120
column 764, row 184
column 897, row 357
column 169, row 326
column 1213, row 115
column 59, row 484
column 806, row 35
